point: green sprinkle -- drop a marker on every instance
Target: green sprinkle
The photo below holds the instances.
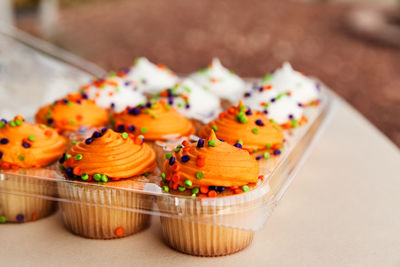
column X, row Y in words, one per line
column 2, row 124
column 199, row 175
column 69, row 103
column 165, row 189
column 188, row 183
column 78, row 157
column 21, row 157
column 266, row 105
column 279, row 96
column 193, row 195
column 112, row 74
column 206, row 88
column 104, row 178
column 294, row 123
column 164, row 177
column 74, row 142
column 141, row 136
column 179, row 146
column 3, row 219
column 68, row 156
column 146, row 174
column 167, row 106
column 85, row 176
column 42, row 126
column 266, row 155
column 181, row 188
column 168, row 155
column 267, row 78
column 31, row 138
column 18, row 122
column 211, row 143
column 195, row 190
column 187, row 89
column 71, row 122
column 240, row 142
column 147, row 111
column 124, row 135
column 272, row 121
column 12, row 124
column 242, row 108
column 255, row 149
column 154, row 116
column 179, row 105
column 255, row 131
column 176, row 150
column 61, row 167
column 97, row 176
column 143, row 130
column 268, row 146
column 241, row 117
column 214, row 127
column 245, row 188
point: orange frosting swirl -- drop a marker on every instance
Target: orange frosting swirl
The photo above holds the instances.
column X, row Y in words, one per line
column 156, row 121
column 112, row 154
column 215, row 163
column 28, row 145
column 251, row 128
column 71, row 113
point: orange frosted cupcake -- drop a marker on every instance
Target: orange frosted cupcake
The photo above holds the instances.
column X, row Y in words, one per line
column 24, row 149
column 112, row 160
column 154, row 121
column 209, row 169
column 72, row 113
column 247, row 129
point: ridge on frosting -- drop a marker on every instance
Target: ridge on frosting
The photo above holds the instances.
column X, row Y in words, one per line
column 108, row 155
column 71, row 113
column 191, row 100
column 28, row 145
column 155, row 121
column 243, row 127
column 113, row 93
column 149, row 77
column 220, row 81
column 209, row 165
column 286, row 79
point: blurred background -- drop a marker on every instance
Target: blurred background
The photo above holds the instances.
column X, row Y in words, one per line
column 353, row 46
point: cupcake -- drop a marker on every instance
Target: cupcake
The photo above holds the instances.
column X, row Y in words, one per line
column 149, row 77
column 25, row 148
column 109, row 165
column 243, row 127
column 154, row 121
column 113, row 93
column 301, row 88
column 192, row 100
column 72, row 113
column 220, row 81
column 219, row 177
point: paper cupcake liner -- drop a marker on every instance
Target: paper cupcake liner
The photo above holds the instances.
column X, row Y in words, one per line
column 17, row 208
column 106, row 221
column 194, row 226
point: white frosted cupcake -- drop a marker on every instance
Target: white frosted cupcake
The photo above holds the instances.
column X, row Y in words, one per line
column 192, row 101
column 220, row 81
column 149, row 77
column 114, row 93
column 301, row 88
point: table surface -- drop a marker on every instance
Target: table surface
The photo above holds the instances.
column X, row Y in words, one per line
column 341, row 210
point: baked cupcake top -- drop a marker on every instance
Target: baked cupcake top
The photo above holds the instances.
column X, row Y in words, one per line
column 192, row 100
column 28, row 145
column 243, row 127
column 71, row 113
column 149, row 77
column 220, row 81
column 113, row 93
column 285, row 79
column 108, row 155
column 155, row 121
column 209, row 166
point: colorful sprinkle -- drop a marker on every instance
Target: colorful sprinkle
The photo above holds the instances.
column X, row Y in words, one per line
column 124, row 135
column 238, row 145
column 3, row 219
column 1, row 154
column 163, row 176
column 89, row 141
column 200, row 143
column 188, row 183
column 165, row 188
column 181, row 188
column 195, row 190
column 277, row 152
column 97, row 176
column 185, row 158
column 104, row 178
column 25, row 144
column 21, row 157
column 255, row 131
column 199, row 175
column 78, row 157
column 84, row 177
column 20, row 218
column 215, row 128
column 266, row 155
column 168, row 155
column 245, row 188
column 119, row 231
column 143, row 130
column 259, row 122
column 3, row 141
column 211, row 143
column 171, row 161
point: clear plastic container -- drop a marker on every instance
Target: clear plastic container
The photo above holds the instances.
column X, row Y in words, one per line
column 198, row 226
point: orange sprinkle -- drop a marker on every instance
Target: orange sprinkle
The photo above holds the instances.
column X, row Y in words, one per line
column 175, row 167
column 164, row 94
column 119, row 231
column 232, row 110
column 5, row 165
column 213, row 80
column 200, row 163
column 110, row 93
column 238, row 191
column 175, row 178
column 77, row 171
column 115, row 178
column 168, row 177
column 221, row 115
column 267, row 87
column 19, row 117
column 79, row 117
column 138, row 140
column 70, row 161
column 97, row 94
column 162, row 102
column 233, row 187
column 202, row 195
column 201, row 157
column 48, row 133
column 161, row 66
column 14, row 167
column 34, row 216
column 175, row 186
column 185, row 143
column 212, row 193
column 204, row 189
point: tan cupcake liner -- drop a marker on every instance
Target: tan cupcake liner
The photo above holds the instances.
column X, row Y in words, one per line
column 108, row 220
column 18, row 208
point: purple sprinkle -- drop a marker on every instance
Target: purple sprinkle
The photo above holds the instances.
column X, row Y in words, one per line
column 291, row 116
column 169, row 93
column 79, row 101
column 220, row 189
column 62, row 159
column 261, row 89
column 104, row 130
column 3, row 141
column 96, row 134
column 25, row 144
column 4, row 120
column 221, row 140
column 125, row 70
column 170, row 101
column 248, row 94
column 300, row 105
column 171, row 161
column 127, row 83
column 134, row 111
column 277, row 152
column 131, row 128
column 121, row 128
column 20, row 217
column 273, row 100
column 249, row 112
column 1, row 154
column 185, row 158
column 265, row 111
column 259, row 157
column 112, row 105
column 187, row 106
column 84, row 95
column 148, row 104
column 65, row 101
column 318, row 86
column 89, row 141
column 200, row 143
column 50, row 120
column 212, row 188
column 259, row 122
column 238, row 145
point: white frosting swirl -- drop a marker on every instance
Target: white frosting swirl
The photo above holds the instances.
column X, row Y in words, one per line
column 114, row 93
column 220, row 81
column 149, row 77
column 283, row 109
